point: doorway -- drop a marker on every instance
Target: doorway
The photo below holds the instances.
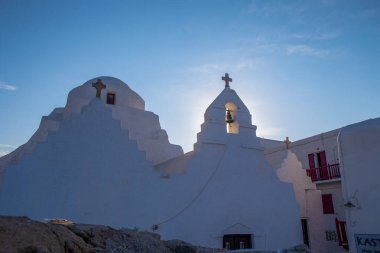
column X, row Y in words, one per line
column 237, row 241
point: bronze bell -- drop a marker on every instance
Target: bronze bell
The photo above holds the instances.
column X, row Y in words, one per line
column 229, row 118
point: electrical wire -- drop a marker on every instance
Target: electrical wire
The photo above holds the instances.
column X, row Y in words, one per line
column 156, row 226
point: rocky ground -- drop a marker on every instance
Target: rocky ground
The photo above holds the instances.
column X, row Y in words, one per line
column 22, row 235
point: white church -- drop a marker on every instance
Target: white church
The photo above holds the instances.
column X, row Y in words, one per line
column 103, row 159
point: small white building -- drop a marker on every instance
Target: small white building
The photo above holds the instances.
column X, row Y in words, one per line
column 342, row 202
column 104, row 159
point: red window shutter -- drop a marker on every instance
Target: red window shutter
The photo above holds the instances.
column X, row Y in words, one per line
column 323, row 159
column 327, row 203
column 311, row 161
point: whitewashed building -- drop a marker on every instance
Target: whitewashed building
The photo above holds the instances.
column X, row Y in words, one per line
column 339, row 197
column 104, row 159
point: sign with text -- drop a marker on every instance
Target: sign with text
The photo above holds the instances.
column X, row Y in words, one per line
column 366, row 243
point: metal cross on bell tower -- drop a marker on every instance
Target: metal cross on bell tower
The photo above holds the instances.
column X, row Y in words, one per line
column 287, row 142
column 99, row 86
column 226, row 78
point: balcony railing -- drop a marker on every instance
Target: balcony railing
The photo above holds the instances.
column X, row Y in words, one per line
column 327, row 172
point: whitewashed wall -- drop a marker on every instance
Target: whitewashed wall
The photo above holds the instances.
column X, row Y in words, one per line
column 289, row 169
column 241, row 192
column 360, row 152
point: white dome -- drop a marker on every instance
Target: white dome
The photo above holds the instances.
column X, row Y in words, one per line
column 124, row 96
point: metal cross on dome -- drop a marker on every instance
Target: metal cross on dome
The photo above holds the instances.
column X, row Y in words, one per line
column 226, row 78
column 99, row 86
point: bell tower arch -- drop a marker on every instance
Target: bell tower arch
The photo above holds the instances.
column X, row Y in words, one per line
column 232, row 125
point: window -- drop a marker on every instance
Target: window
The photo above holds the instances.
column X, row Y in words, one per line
column 327, row 202
column 341, row 233
column 111, row 98
column 237, row 241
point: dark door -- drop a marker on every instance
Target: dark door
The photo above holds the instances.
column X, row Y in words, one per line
column 237, row 241
column 305, row 232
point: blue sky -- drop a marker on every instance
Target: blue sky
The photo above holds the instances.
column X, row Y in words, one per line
column 301, row 67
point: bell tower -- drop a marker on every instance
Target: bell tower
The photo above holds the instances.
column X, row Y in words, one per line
column 227, row 120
